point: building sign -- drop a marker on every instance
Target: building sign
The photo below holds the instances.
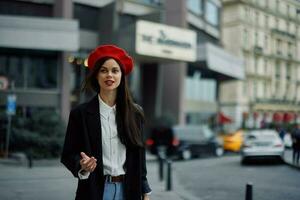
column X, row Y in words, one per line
column 159, row 40
column 3, row 83
column 11, row 104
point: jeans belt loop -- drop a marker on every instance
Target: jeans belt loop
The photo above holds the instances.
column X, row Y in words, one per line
column 109, row 178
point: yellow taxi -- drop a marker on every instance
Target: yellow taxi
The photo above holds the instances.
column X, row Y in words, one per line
column 232, row 141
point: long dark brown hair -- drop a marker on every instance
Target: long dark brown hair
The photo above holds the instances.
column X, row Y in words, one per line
column 129, row 116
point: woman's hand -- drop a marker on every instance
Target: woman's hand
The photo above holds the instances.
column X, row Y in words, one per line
column 88, row 164
column 146, row 197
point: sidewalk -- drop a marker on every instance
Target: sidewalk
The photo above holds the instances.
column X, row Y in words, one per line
column 49, row 174
column 288, row 158
column 159, row 187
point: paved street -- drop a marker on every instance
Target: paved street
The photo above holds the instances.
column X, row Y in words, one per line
column 202, row 179
column 225, row 178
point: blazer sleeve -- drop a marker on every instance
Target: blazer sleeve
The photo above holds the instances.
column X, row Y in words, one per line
column 71, row 150
column 145, row 185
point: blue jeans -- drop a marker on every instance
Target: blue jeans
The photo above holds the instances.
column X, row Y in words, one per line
column 113, row 191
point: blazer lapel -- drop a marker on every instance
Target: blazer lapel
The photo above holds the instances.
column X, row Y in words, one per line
column 94, row 127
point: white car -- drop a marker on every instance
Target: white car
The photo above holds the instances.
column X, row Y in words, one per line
column 262, row 143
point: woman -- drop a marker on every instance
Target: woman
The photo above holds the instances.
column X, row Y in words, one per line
column 103, row 145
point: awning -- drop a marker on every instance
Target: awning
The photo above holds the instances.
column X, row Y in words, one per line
column 220, row 61
column 223, row 119
column 288, row 117
column 277, row 117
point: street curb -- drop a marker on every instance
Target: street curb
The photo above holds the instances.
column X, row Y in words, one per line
column 182, row 192
column 292, row 165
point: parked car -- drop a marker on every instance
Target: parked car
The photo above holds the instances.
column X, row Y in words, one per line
column 262, row 144
column 185, row 142
column 233, row 141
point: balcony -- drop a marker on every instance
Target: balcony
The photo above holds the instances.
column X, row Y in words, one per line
column 258, row 50
column 283, row 34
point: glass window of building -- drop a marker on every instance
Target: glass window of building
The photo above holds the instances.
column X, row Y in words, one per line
column 266, row 21
column 22, row 8
column 195, row 6
column 11, row 68
column 211, row 13
column 257, row 18
column 154, row 2
column 256, row 38
column 255, row 64
column 84, row 14
column 288, row 71
column 255, row 92
column 30, row 71
column 42, row 73
column 277, row 70
column 277, row 5
column 278, row 46
column 245, row 38
column 266, row 42
column 266, row 66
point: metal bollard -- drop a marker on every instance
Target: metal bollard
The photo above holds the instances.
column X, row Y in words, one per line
column 169, row 175
column 161, row 168
column 29, row 158
column 249, row 188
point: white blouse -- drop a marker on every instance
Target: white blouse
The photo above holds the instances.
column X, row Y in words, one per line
column 113, row 151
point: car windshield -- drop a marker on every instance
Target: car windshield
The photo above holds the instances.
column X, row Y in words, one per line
column 194, row 133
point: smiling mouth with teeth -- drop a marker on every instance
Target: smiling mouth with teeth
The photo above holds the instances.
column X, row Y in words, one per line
column 109, row 83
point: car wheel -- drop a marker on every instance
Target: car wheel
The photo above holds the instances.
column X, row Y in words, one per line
column 186, row 154
column 243, row 161
column 219, row 151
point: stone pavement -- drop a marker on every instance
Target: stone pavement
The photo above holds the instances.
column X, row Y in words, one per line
column 48, row 180
column 288, row 158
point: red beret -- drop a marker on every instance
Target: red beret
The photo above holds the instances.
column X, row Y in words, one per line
column 111, row 51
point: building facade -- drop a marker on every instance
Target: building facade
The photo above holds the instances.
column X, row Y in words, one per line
column 265, row 33
column 179, row 61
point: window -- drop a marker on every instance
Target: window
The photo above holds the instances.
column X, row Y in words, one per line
column 88, row 16
column 254, row 89
column 277, row 70
column 290, row 49
column 266, row 21
column 257, row 18
column 195, row 6
column 30, row 71
column 277, row 5
column 266, row 66
column 278, row 46
column 245, row 39
column 156, row 2
column 255, row 65
column 11, row 68
column 256, row 38
column 212, row 13
column 266, row 42
column 265, row 89
column 43, row 73
column 288, row 71
column 9, row 7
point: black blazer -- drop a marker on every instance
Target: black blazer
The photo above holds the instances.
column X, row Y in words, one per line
column 84, row 135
